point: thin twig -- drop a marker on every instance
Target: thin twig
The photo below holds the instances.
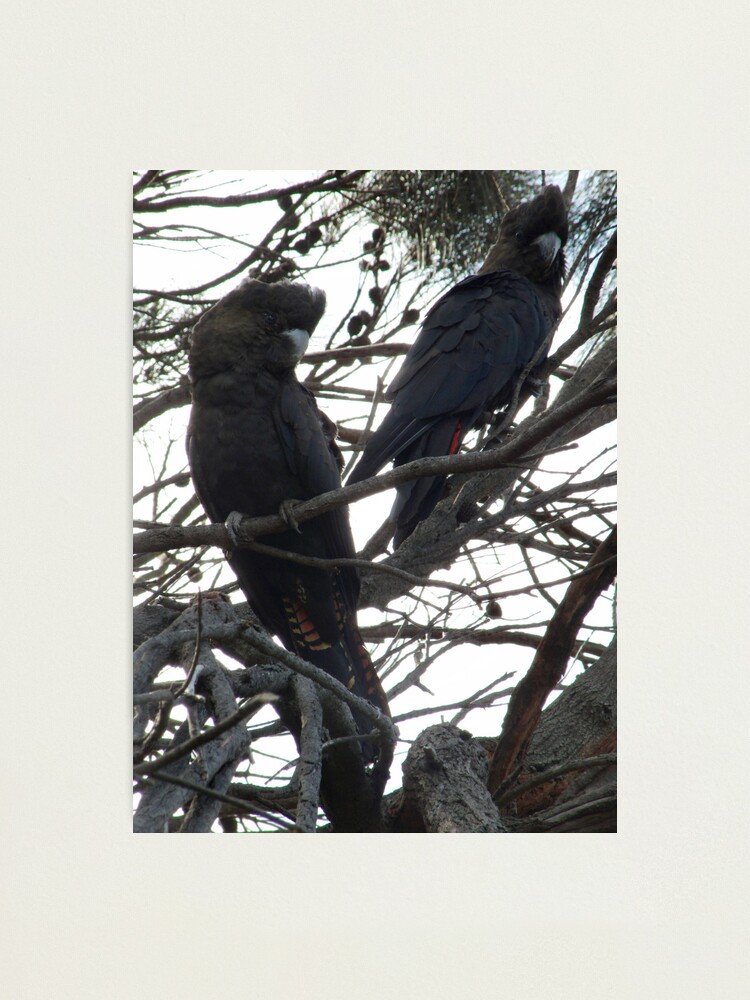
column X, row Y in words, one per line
column 365, row 564
column 539, row 779
column 250, row 706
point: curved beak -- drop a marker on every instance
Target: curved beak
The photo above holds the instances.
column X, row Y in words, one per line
column 549, row 246
column 300, row 339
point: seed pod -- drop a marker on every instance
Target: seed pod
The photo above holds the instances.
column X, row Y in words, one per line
column 354, row 325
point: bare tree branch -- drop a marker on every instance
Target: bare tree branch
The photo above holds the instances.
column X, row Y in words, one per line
column 550, row 661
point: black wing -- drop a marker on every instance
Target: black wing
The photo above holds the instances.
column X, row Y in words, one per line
column 307, row 442
column 266, row 443
column 474, row 342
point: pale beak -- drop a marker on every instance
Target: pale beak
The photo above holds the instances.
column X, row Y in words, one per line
column 300, row 339
column 549, row 245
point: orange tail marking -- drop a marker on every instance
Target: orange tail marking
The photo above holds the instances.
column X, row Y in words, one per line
column 302, row 626
column 456, row 441
column 374, row 688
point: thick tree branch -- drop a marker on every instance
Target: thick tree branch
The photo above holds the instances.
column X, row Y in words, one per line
column 310, row 754
column 550, row 661
column 445, row 788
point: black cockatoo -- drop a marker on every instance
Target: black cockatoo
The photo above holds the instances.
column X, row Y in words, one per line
column 473, row 344
column 256, row 439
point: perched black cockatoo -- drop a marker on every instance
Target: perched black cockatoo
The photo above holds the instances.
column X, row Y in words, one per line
column 256, row 439
column 473, row 344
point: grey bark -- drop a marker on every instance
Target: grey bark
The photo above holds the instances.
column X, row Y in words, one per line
column 445, row 781
column 583, row 715
column 579, row 725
